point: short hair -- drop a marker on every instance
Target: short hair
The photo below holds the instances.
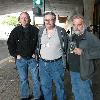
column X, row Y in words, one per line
column 50, row 13
column 78, row 17
column 26, row 14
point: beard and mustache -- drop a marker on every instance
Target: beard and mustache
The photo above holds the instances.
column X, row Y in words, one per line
column 78, row 32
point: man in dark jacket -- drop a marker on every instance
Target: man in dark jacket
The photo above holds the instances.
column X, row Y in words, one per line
column 83, row 48
column 21, row 45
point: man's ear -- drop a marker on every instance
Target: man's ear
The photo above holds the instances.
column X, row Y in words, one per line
column 19, row 18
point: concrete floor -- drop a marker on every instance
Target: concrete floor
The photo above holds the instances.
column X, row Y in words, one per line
column 9, row 83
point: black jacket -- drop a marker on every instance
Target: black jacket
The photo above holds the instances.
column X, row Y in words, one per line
column 22, row 41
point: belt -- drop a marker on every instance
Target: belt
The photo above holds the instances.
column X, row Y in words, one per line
column 50, row 60
column 27, row 58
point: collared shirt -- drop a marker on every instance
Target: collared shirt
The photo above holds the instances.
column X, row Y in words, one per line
column 50, row 46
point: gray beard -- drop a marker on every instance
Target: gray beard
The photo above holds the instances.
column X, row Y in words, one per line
column 78, row 32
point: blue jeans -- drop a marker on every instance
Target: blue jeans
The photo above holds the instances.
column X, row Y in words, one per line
column 52, row 72
column 22, row 67
column 81, row 89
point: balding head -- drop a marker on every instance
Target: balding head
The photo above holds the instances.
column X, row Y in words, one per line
column 24, row 19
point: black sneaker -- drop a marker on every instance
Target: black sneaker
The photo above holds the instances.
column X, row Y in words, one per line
column 30, row 97
column 41, row 97
column 24, row 99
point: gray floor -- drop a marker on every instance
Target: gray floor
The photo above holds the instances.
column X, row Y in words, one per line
column 9, row 83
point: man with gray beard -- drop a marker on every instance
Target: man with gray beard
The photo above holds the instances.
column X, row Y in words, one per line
column 82, row 49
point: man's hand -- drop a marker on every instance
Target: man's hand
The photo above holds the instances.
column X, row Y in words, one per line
column 33, row 56
column 77, row 51
column 18, row 57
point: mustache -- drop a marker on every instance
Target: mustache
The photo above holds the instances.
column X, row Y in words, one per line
column 78, row 31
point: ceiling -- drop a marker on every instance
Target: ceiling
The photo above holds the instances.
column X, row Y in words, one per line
column 14, row 6
column 60, row 7
column 64, row 7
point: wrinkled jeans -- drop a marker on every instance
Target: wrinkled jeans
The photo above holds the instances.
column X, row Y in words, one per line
column 52, row 72
column 81, row 89
column 23, row 65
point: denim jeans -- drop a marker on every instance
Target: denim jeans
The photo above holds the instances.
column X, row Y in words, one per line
column 81, row 89
column 23, row 65
column 52, row 72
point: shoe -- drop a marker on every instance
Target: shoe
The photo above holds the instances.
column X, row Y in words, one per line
column 41, row 97
column 24, row 99
column 30, row 97
column 38, row 99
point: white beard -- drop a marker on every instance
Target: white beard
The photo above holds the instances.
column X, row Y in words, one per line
column 78, row 32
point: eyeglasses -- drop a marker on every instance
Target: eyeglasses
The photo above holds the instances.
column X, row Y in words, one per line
column 48, row 20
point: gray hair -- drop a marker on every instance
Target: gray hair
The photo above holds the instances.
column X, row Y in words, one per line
column 78, row 17
column 50, row 13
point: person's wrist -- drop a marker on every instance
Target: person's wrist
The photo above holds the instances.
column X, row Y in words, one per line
column 18, row 57
column 33, row 56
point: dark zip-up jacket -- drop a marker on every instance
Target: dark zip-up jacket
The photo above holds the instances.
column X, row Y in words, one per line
column 90, row 46
column 91, row 51
column 22, row 41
